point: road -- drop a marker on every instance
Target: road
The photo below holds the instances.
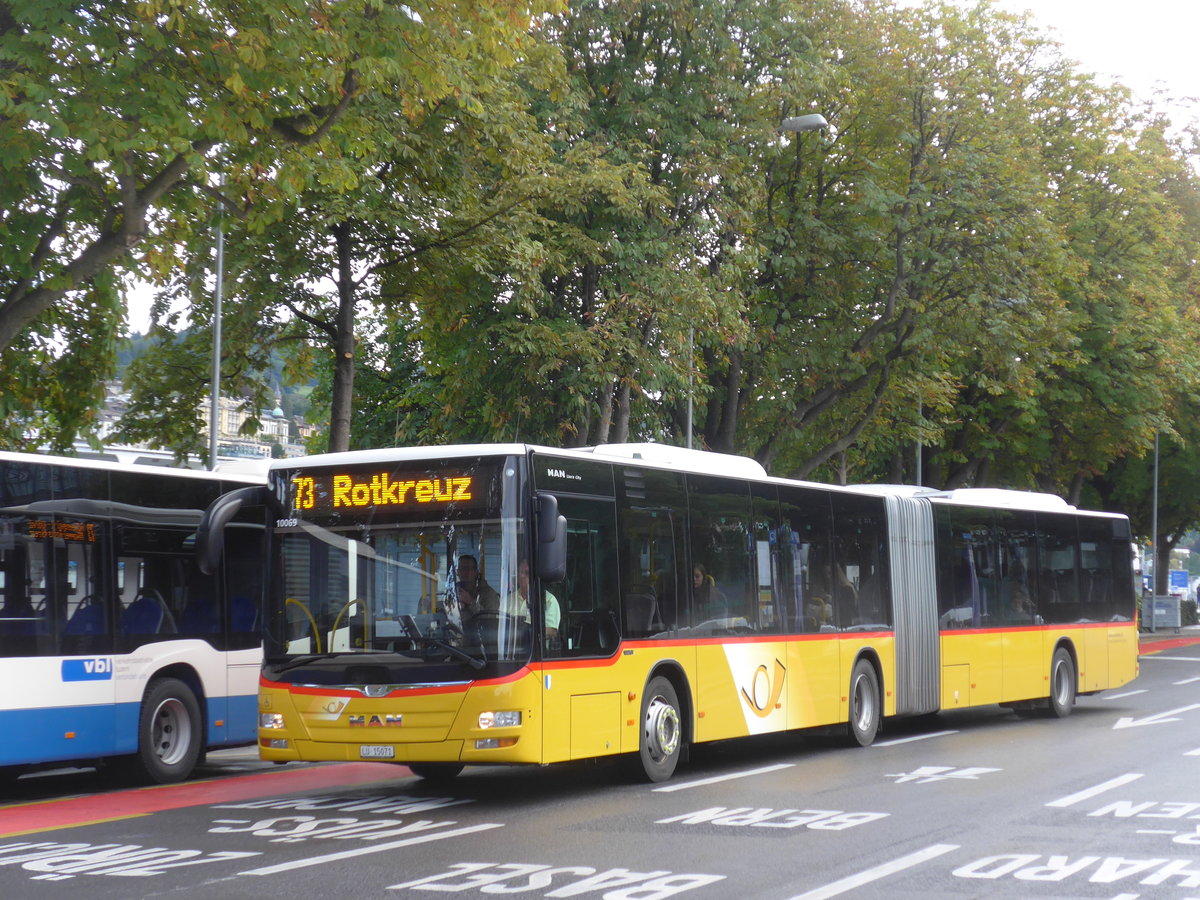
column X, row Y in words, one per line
column 1103, row 804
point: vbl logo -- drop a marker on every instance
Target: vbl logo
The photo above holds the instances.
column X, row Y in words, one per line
column 99, row 668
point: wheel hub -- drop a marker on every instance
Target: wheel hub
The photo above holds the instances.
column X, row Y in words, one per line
column 662, row 729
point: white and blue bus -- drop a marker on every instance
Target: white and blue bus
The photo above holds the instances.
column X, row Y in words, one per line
column 113, row 645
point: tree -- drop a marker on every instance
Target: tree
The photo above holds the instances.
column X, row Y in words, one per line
column 118, row 120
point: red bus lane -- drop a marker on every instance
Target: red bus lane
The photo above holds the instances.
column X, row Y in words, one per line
column 71, row 812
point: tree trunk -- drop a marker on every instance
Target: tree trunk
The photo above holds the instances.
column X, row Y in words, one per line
column 342, row 400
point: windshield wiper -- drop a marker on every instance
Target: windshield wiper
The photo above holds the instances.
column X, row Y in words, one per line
column 473, row 661
column 296, row 662
column 412, row 631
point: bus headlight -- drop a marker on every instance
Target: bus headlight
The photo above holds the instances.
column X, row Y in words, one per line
column 506, row 718
column 270, row 720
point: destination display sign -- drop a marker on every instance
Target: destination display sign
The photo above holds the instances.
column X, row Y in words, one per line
column 450, row 485
column 43, row 529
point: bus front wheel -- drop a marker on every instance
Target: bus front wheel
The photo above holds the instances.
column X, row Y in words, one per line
column 865, row 709
column 1063, row 683
column 661, row 740
column 170, row 736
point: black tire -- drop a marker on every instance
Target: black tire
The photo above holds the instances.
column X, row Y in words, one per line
column 1063, row 684
column 170, row 732
column 438, row 773
column 660, row 744
column 865, row 709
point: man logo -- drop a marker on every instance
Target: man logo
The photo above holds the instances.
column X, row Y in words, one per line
column 374, row 721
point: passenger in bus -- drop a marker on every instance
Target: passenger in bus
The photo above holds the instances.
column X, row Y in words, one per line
column 708, row 601
column 1014, row 597
column 474, row 595
column 518, row 605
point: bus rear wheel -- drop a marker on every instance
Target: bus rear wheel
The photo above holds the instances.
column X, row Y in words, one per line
column 170, row 736
column 436, row 773
column 865, row 709
column 661, row 740
column 1063, row 683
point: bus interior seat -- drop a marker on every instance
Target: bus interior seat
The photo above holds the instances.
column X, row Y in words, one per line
column 200, row 617
column 89, row 618
column 19, row 618
column 145, row 615
column 243, row 615
column 595, row 632
column 641, row 611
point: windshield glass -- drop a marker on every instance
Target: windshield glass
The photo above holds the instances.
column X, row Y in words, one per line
column 409, row 563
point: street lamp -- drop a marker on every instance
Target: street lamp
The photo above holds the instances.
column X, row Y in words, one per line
column 809, row 122
column 794, row 125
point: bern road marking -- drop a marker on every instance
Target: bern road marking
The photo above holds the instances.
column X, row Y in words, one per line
column 851, row 882
column 1072, row 799
column 1125, row 694
column 716, row 779
column 363, row 851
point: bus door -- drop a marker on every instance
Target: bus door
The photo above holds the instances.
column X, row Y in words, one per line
column 243, row 603
column 69, row 580
column 582, row 701
column 1016, row 561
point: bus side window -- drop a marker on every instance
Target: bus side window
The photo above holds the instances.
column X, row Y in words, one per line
column 587, row 621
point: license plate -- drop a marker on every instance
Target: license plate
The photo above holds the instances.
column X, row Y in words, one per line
column 377, row 751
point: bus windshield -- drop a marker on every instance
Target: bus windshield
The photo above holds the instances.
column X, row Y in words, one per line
column 394, row 573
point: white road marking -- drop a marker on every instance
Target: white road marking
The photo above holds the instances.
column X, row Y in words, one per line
column 909, row 740
column 716, row 779
column 1187, row 680
column 1126, row 694
column 1072, row 799
column 1195, row 752
column 1190, row 659
column 1156, row 719
column 851, row 882
column 364, row 851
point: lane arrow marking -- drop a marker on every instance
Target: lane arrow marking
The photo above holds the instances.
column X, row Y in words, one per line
column 1156, row 719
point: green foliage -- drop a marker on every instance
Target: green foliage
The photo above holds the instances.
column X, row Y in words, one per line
column 118, row 120
column 513, row 221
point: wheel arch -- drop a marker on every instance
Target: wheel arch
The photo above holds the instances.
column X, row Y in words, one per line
column 673, row 671
column 1066, row 643
column 871, row 656
column 191, row 678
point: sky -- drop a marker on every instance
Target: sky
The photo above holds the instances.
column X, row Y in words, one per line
column 1143, row 44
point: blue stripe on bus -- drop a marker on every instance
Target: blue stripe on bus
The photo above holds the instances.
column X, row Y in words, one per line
column 243, row 712
column 41, row 735
column 64, row 733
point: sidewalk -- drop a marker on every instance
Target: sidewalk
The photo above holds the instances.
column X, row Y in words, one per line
column 1168, row 639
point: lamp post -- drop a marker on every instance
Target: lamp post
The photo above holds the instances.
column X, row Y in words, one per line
column 214, row 415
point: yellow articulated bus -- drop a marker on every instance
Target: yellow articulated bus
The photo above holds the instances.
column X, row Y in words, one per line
column 451, row 606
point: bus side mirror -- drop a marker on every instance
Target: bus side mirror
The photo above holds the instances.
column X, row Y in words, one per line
column 552, row 539
column 210, row 535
